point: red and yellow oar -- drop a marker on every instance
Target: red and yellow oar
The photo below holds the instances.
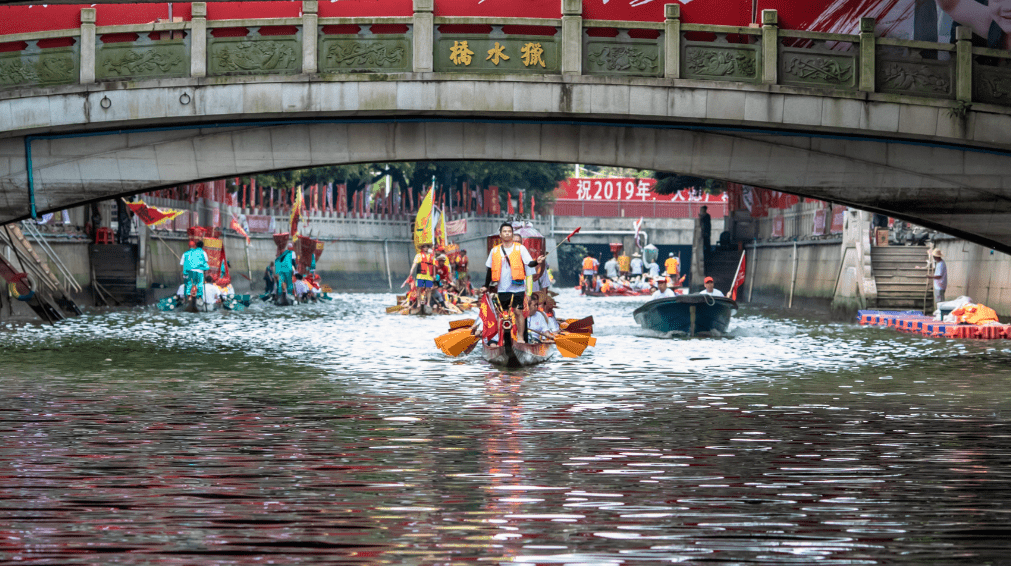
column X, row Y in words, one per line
column 582, row 325
column 456, row 342
column 573, row 345
column 464, row 323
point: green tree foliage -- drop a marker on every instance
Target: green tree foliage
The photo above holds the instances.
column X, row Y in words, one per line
column 670, row 183
column 570, row 264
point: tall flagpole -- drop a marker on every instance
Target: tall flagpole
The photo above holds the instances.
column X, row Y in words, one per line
column 736, row 272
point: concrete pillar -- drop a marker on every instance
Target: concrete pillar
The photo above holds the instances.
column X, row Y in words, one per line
column 198, row 40
column 572, row 37
column 963, row 64
column 87, row 45
column 424, row 35
column 770, row 47
column 672, row 41
column 868, row 57
column 310, row 35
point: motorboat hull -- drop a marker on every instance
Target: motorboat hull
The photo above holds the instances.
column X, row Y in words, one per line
column 688, row 314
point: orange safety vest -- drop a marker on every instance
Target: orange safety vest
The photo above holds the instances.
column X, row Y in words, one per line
column 515, row 264
column 588, row 264
column 976, row 314
column 426, row 267
column 671, row 265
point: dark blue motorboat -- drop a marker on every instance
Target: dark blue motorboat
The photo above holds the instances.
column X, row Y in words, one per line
column 687, row 314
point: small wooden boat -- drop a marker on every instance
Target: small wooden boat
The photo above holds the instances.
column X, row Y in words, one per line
column 688, row 314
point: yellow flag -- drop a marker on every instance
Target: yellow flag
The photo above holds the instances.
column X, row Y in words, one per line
column 296, row 210
column 424, row 232
column 440, row 237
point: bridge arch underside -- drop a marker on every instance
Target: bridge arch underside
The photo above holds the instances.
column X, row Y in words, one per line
column 959, row 190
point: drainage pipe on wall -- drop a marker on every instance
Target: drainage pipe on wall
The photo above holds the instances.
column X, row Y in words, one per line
column 793, row 278
column 386, row 254
column 754, row 266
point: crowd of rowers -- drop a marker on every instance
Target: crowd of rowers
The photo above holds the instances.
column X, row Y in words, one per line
column 438, row 282
column 197, row 282
column 623, row 275
column 284, row 284
column 520, row 285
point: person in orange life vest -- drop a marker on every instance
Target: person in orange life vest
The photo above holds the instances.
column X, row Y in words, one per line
column 462, row 263
column 423, row 271
column 673, row 267
column 590, row 267
column 509, row 264
column 443, row 273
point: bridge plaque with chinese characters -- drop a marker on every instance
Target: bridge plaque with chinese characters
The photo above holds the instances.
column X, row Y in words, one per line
column 513, row 54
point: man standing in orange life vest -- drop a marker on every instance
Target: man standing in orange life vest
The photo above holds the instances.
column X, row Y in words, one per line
column 424, row 262
column 590, row 268
column 509, row 264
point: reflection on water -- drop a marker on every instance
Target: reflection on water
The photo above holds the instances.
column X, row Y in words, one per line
column 337, row 433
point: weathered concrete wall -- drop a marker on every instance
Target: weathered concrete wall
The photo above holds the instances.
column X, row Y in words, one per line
column 770, row 270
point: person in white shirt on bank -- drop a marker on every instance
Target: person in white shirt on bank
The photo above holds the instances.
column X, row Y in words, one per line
column 662, row 291
column 710, row 288
column 611, row 268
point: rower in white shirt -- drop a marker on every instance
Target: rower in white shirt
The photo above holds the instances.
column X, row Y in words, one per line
column 662, row 291
column 710, row 288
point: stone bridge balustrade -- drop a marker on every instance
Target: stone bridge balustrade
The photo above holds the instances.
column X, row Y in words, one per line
column 836, row 64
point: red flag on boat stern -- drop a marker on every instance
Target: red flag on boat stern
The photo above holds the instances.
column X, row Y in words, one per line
column 489, row 318
column 739, row 278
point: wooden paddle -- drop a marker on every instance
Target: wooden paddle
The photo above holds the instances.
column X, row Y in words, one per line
column 456, row 342
column 462, row 323
column 395, row 308
column 582, row 325
column 573, row 345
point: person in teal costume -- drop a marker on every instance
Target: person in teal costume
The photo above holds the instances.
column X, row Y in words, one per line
column 284, row 270
column 194, row 266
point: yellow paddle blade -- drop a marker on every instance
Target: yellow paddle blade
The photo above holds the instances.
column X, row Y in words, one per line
column 462, row 323
column 456, row 342
column 573, row 345
column 394, row 308
column 569, row 349
column 401, row 298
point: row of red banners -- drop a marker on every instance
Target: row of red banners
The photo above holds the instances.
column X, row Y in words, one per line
column 332, row 197
column 626, row 189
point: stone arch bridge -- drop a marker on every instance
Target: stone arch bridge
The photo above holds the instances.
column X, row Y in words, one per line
column 917, row 130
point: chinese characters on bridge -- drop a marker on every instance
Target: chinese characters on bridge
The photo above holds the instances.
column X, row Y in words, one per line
column 532, row 54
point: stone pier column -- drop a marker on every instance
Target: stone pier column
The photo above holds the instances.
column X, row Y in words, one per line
column 867, row 55
column 770, row 47
column 310, row 35
column 198, row 40
column 88, row 40
column 572, row 37
column 963, row 64
column 672, row 41
column 424, row 36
